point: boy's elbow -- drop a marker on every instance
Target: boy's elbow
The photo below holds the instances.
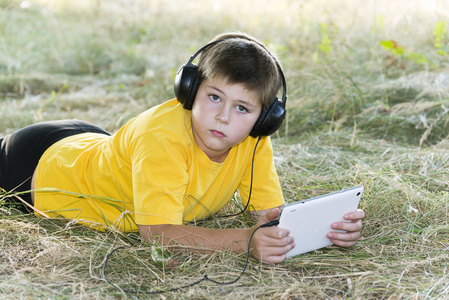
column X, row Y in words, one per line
column 148, row 232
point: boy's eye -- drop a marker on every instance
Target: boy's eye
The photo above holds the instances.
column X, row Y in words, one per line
column 214, row 98
column 242, row 109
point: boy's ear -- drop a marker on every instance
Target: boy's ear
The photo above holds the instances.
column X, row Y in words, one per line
column 186, row 85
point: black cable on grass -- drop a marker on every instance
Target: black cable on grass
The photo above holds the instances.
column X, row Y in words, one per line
column 205, row 277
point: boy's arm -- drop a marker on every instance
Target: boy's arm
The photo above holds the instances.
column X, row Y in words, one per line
column 270, row 244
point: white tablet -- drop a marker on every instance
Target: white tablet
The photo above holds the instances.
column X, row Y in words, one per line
column 309, row 220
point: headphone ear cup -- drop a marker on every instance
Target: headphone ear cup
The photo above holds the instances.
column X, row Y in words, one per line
column 192, row 93
column 186, row 85
column 269, row 120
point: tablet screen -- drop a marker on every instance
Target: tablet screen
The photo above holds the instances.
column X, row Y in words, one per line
column 309, row 220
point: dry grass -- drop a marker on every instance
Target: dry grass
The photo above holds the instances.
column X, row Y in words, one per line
column 357, row 115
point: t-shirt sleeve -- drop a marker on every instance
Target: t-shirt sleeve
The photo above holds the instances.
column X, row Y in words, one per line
column 266, row 192
column 159, row 171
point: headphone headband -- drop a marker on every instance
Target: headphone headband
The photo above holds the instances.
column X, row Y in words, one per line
column 187, row 83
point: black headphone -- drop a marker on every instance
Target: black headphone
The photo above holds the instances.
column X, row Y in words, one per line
column 187, row 84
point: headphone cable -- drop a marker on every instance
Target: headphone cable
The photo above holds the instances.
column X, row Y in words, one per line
column 250, row 185
column 205, row 277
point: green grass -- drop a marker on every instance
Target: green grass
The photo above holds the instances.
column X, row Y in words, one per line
column 357, row 114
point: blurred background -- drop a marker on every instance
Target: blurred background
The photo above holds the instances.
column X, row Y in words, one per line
column 345, row 61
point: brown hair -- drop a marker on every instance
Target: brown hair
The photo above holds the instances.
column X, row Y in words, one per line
column 242, row 59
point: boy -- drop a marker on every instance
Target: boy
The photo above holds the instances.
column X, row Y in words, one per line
column 178, row 162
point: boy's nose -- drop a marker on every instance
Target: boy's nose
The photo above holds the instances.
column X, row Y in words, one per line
column 222, row 117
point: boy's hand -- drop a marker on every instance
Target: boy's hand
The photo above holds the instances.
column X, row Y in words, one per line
column 353, row 229
column 270, row 244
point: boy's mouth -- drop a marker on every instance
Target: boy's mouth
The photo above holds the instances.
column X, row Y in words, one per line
column 217, row 133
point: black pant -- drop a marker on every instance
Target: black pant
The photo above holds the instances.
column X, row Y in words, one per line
column 20, row 151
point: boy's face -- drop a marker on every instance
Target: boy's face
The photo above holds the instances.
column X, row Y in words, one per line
column 223, row 115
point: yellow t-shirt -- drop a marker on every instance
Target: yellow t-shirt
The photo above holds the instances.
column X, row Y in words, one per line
column 150, row 172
